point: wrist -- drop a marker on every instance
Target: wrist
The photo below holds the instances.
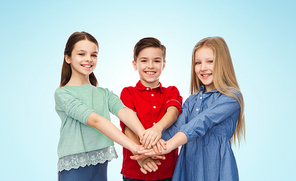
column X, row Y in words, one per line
column 158, row 127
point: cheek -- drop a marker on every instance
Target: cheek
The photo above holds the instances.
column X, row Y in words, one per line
column 196, row 69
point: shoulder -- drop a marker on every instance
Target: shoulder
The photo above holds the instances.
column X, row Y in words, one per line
column 62, row 90
column 128, row 90
column 232, row 93
column 104, row 91
column 170, row 89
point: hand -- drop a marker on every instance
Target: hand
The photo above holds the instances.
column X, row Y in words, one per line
column 160, row 146
column 151, row 136
column 149, row 165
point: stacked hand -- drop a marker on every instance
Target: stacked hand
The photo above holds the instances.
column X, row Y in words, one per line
column 150, row 141
column 148, row 158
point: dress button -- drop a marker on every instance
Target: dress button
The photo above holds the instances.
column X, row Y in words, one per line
column 196, row 109
column 200, row 97
column 147, row 88
column 154, row 107
column 153, row 123
column 152, row 95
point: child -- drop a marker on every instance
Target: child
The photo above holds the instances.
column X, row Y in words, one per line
column 85, row 148
column 211, row 117
column 157, row 108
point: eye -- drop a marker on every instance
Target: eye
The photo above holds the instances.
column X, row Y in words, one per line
column 211, row 61
column 94, row 55
column 143, row 60
column 81, row 54
column 157, row 61
column 197, row 63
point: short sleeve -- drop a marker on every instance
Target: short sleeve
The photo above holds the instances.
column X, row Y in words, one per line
column 68, row 103
column 174, row 99
column 127, row 100
column 174, row 128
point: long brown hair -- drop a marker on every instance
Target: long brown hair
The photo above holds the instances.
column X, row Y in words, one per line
column 224, row 78
column 66, row 68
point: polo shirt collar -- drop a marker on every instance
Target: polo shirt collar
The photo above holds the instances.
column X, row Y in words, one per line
column 141, row 87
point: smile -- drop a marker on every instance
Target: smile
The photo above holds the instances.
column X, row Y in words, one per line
column 150, row 73
column 206, row 75
column 87, row 66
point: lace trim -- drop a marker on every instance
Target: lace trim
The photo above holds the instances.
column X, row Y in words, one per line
column 87, row 158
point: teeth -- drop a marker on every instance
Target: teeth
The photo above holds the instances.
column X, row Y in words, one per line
column 205, row 75
column 87, row 66
column 150, row 73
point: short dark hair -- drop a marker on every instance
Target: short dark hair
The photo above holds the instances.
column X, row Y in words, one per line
column 148, row 42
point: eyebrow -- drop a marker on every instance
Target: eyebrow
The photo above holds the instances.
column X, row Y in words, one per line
column 85, row 51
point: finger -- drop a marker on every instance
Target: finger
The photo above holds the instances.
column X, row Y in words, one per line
column 155, row 149
column 137, row 157
column 143, row 170
column 145, row 139
column 152, row 165
column 162, row 157
column 163, row 143
column 157, row 162
column 156, row 140
column 147, row 168
column 153, row 140
column 147, row 143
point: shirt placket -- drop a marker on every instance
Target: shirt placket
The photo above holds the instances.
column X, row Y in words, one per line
column 199, row 103
column 154, row 106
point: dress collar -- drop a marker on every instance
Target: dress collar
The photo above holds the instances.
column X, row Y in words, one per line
column 202, row 89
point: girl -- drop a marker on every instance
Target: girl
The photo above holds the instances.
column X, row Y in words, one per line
column 86, row 133
column 211, row 117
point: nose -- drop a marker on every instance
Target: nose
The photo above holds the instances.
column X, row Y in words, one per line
column 150, row 64
column 88, row 58
column 204, row 67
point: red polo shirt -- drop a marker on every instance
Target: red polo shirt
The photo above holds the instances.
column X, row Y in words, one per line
column 150, row 106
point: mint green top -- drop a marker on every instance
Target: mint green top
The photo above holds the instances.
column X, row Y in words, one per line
column 74, row 104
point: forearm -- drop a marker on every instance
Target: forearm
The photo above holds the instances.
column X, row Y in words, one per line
column 168, row 119
column 110, row 130
column 178, row 140
column 130, row 119
column 131, row 135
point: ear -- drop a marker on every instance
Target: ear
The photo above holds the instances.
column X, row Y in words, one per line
column 68, row 59
column 135, row 65
column 163, row 65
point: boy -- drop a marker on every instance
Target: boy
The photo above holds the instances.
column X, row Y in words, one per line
column 157, row 108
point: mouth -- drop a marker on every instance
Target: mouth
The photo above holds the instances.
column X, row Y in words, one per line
column 150, row 72
column 86, row 65
column 206, row 75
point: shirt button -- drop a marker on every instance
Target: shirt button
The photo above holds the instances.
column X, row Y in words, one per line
column 153, row 123
column 196, row 109
column 154, row 107
column 147, row 88
column 152, row 95
column 200, row 97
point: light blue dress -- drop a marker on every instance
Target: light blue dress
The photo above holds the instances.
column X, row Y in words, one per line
column 209, row 121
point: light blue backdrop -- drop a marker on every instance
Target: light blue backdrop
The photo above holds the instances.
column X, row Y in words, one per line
column 260, row 35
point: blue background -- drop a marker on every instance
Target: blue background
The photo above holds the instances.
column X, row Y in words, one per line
column 260, row 36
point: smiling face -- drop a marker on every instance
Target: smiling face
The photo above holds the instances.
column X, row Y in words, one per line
column 150, row 64
column 83, row 59
column 204, row 65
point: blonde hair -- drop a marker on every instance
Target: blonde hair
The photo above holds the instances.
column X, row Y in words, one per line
column 224, row 78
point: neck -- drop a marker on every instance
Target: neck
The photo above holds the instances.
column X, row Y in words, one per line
column 78, row 80
column 151, row 85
